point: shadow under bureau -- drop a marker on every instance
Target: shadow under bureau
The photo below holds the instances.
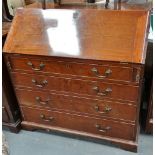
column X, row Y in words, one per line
column 79, row 71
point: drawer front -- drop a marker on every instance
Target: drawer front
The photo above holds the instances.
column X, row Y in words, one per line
column 95, row 88
column 80, row 123
column 72, row 68
column 74, row 104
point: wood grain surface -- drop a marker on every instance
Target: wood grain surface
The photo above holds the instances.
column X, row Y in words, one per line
column 71, row 33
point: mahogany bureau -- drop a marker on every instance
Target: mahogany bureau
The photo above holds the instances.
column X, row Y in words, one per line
column 79, row 71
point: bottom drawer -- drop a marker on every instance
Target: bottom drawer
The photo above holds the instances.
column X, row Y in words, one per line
column 80, row 123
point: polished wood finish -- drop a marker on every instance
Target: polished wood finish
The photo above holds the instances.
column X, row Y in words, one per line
column 125, row 73
column 83, row 41
column 123, row 144
column 86, row 82
column 79, row 123
column 76, row 86
column 51, row 100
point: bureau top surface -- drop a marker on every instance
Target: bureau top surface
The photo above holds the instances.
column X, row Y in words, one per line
column 84, row 33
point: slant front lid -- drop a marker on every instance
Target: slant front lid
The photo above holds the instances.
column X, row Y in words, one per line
column 86, row 34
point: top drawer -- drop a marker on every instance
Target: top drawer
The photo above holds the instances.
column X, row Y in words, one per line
column 107, row 71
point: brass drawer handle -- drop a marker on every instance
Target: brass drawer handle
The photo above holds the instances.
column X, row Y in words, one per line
column 106, row 74
column 102, row 129
column 41, row 66
column 38, row 99
column 42, row 116
column 105, row 111
column 40, row 85
column 103, row 93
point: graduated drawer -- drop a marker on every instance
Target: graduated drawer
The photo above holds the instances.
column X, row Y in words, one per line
column 80, row 123
column 111, row 109
column 79, row 86
column 107, row 71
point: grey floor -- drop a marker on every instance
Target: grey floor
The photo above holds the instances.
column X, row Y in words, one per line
column 42, row 143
